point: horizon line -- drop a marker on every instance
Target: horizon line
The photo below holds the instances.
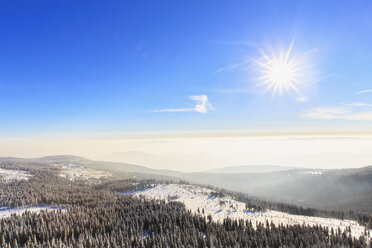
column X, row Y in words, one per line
column 180, row 134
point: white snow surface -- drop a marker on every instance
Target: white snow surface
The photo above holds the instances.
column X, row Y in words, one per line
column 7, row 212
column 14, row 175
column 194, row 198
column 75, row 172
column 314, row 172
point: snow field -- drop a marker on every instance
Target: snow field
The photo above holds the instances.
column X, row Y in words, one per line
column 14, row 175
column 75, row 172
column 6, row 212
column 197, row 198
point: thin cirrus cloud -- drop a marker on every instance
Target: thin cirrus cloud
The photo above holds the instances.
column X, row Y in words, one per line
column 231, row 67
column 361, row 104
column 202, row 106
column 364, row 91
column 333, row 113
column 302, row 99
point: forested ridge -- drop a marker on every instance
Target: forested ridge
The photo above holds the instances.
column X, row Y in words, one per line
column 98, row 215
column 260, row 204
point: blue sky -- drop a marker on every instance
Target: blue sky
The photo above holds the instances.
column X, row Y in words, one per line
column 122, row 66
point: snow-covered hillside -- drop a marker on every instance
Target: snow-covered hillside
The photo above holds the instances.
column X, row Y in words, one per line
column 8, row 211
column 197, row 199
column 75, row 172
column 14, row 175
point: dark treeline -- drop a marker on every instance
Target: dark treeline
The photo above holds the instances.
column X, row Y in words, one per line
column 129, row 222
column 100, row 216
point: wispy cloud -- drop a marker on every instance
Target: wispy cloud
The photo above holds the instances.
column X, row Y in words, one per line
column 202, row 106
column 364, row 91
column 302, row 99
column 227, row 68
column 366, row 116
column 332, row 113
column 231, row 67
column 325, row 113
column 361, row 104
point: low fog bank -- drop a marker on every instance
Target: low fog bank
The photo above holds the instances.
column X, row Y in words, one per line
column 198, row 154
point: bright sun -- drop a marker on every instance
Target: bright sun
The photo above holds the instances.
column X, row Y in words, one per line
column 280, row 72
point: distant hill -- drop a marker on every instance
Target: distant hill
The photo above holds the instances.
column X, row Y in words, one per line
column 121, row 169
column 62, row 158
column 340, row 189
column 54, row 158
column 113, row 167
column 130, row 168
column 249, row 169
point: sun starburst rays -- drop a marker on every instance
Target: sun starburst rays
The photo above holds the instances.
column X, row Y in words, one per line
column 280, row 72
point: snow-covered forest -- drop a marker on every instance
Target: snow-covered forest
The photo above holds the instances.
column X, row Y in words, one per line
column 48, row 209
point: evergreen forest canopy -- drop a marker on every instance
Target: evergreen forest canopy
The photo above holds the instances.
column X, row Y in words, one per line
column 99, row 215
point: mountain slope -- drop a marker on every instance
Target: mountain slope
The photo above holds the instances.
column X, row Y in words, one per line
column 349, row 189
column 205, row 202
column 249, row 169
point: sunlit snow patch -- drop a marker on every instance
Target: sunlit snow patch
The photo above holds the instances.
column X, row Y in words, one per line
column 199, row 200
column 75, row 172
column 313, row 173
column 14, row 175
column 8, row 211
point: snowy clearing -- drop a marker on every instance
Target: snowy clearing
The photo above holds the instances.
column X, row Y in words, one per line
column 14, row 175
column 75, row 172
column 313, row 172
column 219, row 208
column 8, row 211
